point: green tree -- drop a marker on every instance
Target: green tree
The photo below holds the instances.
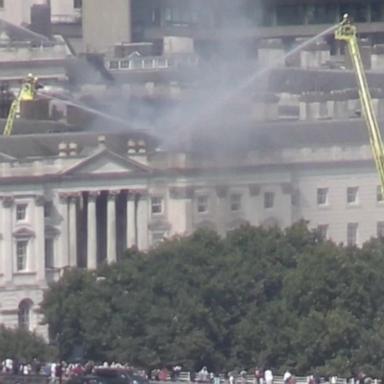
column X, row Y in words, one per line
column 24, row 346
column 267, row 297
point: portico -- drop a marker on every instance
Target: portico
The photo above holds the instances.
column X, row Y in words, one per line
column 102, row 224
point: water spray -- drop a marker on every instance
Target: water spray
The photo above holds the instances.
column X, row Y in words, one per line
column 85, row 108
column 219, row 102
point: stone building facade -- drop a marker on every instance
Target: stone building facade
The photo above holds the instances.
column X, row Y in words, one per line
column 81, row 199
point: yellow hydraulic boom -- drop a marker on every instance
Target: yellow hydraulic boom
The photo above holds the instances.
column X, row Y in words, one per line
column 27, row 92
column 348, row 33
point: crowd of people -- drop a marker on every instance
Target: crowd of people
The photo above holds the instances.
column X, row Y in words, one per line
column 58, row 372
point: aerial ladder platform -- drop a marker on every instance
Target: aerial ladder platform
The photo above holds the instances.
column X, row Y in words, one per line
column 347, row 32
column 26, row 92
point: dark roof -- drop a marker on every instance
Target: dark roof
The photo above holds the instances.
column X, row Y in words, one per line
column 276, row 135
column 38, row 145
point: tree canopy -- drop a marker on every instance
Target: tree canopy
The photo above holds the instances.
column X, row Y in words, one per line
column 24, row 346
column 284, row 299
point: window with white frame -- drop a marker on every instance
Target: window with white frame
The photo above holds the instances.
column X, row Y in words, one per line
column 235, row 202
column 352, row 233
column 114, row 64
column 352, row 195
column 379, row 194
column 380, row 229
column 156, row 205
column 21, row 255
column 49, row 253
column 202, row 204
column 322, row 230
column 322, row 196
column 269, row 199
column 21, row 212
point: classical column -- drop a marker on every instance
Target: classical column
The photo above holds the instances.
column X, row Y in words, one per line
column 92, row 231
column 7, row 248
column 111, row 226
column 63, row 251
column 131, row 220
column 40, row 238
column 142, row 222
column 72, row 229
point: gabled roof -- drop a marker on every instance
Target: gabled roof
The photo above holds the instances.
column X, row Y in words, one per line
column 103, row 161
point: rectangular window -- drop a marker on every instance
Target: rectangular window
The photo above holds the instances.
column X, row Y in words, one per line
column 380, row 229
column 352, row 229
column 202, row 204
column 77, row 4
column 352, row 195
column 290, row 14
column 156, row 16
column 322, row 196
column 156, row 205
column 114, row 64
column 322, row 230
column 1, row 4
column 377, row 11
column 168, row 14
column 379, row 194
column 21, row 255
column 49, row 253
column 322, row 13
column 21, row 212
column 269, row 199
column 235, row 202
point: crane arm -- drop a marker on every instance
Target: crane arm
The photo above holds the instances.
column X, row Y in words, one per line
column 27, row 92
column 15, row 107
column 347, row 32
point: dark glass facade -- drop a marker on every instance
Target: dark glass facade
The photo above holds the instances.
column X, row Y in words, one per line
column 300, row 12
column 216, row 13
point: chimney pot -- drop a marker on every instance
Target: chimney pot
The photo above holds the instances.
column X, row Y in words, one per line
column 63, row 147
column 72, row 149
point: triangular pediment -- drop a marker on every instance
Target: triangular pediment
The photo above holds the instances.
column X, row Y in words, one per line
column 106, row 162
column 23, row 232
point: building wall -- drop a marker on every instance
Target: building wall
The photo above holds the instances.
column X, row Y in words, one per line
column 95, row 206
column 64, row 11
column 105, row 23
column 17, row 11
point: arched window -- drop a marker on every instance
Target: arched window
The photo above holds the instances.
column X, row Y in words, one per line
column 24, row 313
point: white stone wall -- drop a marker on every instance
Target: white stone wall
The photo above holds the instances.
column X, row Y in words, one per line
column 17, row 11
column 337, row 213
column 99, row 33
column 63, row 11
column 293, row 176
